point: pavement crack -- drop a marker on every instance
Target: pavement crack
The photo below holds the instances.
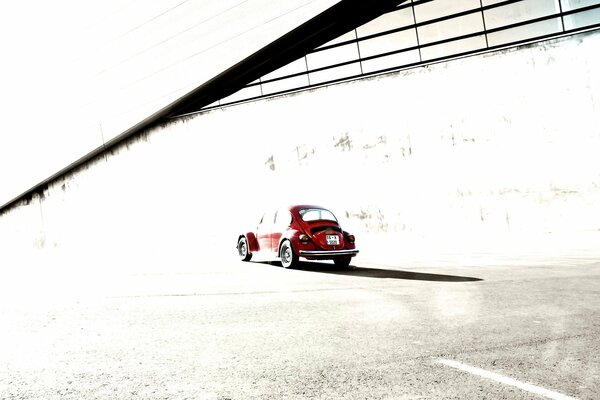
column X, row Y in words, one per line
column 527, row 343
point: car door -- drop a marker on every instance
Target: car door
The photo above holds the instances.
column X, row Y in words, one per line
column 264, row 231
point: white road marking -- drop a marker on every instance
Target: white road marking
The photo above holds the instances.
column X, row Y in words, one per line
column 507, row 381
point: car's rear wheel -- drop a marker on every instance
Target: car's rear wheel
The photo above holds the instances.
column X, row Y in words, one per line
column 342, row 262
column 288, row 258
column 243, row 251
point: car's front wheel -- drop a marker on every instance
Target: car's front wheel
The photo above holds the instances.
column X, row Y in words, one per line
column 288, row 258
column 243, row 252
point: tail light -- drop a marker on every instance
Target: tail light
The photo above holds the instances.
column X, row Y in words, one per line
column 350, row 238
column 303, row 238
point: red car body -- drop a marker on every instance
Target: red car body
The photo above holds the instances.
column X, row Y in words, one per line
column 307, row 231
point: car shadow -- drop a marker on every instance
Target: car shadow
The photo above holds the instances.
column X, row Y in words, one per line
column 324, row 268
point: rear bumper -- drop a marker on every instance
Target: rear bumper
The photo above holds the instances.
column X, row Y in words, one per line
column 327, row 253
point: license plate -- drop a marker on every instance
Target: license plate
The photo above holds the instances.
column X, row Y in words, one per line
column 332, row 240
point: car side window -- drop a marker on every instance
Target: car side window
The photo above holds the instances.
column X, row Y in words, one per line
column 283, row 218
column 267, row 219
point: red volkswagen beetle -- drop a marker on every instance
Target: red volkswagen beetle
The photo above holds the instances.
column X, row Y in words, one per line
column 307, row 231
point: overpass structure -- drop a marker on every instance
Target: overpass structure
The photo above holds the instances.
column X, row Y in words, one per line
column 337, row 20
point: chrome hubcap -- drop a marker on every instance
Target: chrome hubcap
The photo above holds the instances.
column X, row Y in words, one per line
column 286, row 256
column 242, row 248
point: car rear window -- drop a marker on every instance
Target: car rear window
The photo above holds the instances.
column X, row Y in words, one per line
column 316, row 214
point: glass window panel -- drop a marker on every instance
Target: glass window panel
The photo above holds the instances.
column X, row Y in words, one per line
column 575, row 4
column 525, row 32
column 391, row 42
column 245, row 93
column 454, row 27
column 332, row 56
column 285, row 84
column 344, row 38
column 391, row 61
column 441, row 8
column 582, row 19
column 488, row 2
column 453, row 48
column 387, row 22
column 292, row 68
column 331, row 74
column 213, row 104
column 519, row 12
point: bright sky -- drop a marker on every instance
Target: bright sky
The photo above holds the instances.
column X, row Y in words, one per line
column 75, row 73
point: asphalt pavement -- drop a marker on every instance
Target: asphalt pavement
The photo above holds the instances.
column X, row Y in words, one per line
column 226, row 329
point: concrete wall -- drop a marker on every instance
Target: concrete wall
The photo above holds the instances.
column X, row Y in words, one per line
column 64, row 95
column 462, row 155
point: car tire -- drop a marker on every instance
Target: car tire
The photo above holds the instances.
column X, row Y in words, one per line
column 243, row 251
column 289, row 259
column 342, row 262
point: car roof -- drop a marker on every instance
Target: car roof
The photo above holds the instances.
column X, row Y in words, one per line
column 298, row 207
